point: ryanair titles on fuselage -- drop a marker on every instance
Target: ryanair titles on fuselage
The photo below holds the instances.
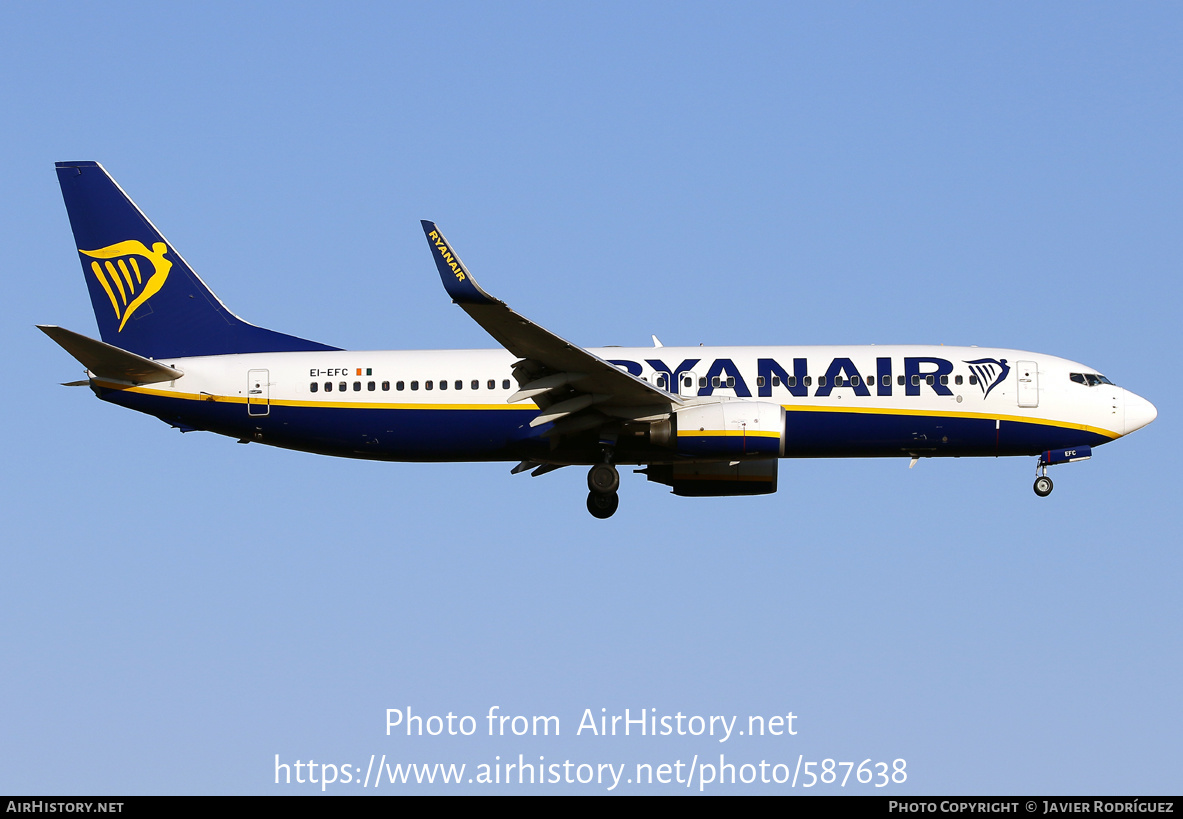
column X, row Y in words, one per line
column 842, row 373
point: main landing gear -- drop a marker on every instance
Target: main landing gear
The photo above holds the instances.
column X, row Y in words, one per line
column 603, row 480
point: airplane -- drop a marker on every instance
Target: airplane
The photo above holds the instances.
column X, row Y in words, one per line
column 704, row 421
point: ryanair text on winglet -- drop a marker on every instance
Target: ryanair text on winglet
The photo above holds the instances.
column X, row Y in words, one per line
column 446, row 254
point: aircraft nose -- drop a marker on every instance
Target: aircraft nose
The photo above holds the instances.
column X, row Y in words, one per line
column 1138, row 412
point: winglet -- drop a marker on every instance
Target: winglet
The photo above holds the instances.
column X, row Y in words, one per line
column 457, row 280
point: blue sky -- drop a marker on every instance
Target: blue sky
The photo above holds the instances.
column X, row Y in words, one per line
column 180, row 609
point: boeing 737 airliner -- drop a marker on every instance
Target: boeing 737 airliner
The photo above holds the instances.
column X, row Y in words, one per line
column 701, row 420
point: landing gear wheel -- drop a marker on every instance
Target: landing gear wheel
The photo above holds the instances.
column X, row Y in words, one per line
column 603, row 479
column 1043, row 486
column 601, row 505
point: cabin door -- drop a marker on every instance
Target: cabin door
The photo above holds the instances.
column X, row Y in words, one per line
column 258, row 392
column 1028, row 373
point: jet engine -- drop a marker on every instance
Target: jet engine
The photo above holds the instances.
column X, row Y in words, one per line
column 717, row 478
column 731, row 429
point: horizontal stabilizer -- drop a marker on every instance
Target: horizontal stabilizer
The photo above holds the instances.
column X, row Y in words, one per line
column 108, row 361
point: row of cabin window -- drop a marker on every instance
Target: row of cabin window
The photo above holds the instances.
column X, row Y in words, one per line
column 343, row 386
column 839, row 381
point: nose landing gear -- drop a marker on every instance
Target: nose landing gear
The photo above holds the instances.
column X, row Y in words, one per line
column 1043, row 486
column 603, row 480
column 1072, row 454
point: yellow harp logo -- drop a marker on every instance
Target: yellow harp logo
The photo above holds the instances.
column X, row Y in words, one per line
column 121, row 277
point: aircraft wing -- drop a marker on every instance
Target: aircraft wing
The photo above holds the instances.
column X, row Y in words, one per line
column 561, row 377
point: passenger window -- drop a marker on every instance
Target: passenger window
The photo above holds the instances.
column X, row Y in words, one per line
column 808, row 381
column 714, row 381
column 371, row 386
column 702, row 381
column 899, row 379
column 887, row 380
column 414, row 385
column 328, row 386
column 385, row 386
column 792, row 380
column 505, row 384
column 398, row 385
column 821, row 381
column 731, row 382
column 854, row 381
column 973, row 380
column 687, row 382
column 313, row 387
column 837, row 381
column 443, row 385
column 944, row 380
column 459, row 384
column 776, row 380
column 759, row 381
column 476, row 385
column 357, row 386
column 915, row 381
column 957, row 381
column 492, row 384
column 342, row 386
column 427, row 385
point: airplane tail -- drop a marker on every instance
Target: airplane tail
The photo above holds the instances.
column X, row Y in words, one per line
column 146, row 299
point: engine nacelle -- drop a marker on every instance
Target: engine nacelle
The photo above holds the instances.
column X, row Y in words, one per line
column 716, row 479
column 731, row 429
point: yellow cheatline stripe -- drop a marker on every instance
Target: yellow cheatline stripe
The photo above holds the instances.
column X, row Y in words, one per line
column 238, row 399
column 727, row 433
column 231, row 399
column 984, row 416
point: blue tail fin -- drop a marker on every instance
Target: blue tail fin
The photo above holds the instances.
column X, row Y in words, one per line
column 145, row 297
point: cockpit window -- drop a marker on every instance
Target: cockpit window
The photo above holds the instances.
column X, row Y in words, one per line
column 1090, row 379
